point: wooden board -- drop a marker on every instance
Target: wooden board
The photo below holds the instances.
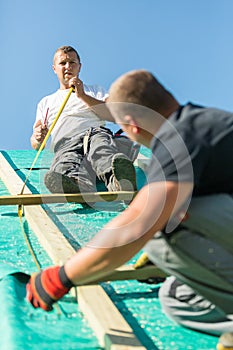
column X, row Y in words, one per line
column 112, row 330
column 93, row 197
column 108, row 318
column 128, row 272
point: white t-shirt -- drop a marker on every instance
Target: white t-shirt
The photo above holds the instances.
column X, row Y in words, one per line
column 76, row 116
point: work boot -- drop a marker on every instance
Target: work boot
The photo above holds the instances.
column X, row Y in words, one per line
column 123, row 177
column 225, row 342
column 58, row 183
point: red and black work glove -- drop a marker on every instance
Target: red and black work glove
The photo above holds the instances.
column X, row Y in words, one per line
column 46, row 287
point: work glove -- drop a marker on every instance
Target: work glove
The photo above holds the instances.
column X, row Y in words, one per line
column 46, row 287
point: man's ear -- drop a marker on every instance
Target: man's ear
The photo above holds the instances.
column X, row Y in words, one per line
column 54, row 69
column 132, row 123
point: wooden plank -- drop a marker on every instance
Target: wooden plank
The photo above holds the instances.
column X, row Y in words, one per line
column 107, row 316
column 93, row 197
column 128, row 272
column 89, row 297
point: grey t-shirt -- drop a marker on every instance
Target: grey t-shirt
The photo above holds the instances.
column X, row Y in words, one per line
column 76, row 116
column 195, row 144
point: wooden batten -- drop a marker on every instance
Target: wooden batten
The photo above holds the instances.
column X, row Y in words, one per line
column 35, row 199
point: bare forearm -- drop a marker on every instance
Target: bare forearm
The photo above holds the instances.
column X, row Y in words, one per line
column 90, row 101
column 100, row 260
column 117, row 242
column 99, row 107
column 125, row 235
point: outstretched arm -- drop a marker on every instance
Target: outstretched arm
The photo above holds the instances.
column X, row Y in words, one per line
column 120, row 239
column 125, row 235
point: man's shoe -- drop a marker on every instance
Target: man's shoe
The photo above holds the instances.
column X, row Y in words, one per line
column 225, row 342
column 123, row 176
column 58, row 183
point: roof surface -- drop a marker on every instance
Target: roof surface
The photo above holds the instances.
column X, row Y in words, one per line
column 23, row 327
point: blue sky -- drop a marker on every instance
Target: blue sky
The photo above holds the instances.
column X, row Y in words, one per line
column 187, row 44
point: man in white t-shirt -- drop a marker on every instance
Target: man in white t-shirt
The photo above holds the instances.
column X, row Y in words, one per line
column 84, row 149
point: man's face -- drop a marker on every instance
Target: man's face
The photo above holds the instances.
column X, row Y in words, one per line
column 66, row 66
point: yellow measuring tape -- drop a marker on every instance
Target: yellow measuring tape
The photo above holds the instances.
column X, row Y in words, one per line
column 20, row 207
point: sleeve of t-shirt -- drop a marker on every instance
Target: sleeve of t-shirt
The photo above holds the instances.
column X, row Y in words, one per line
column 39, row 114
column 41, row 110
column 176, row 156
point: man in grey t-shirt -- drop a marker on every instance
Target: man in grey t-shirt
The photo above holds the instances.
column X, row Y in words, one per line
column 182, row 217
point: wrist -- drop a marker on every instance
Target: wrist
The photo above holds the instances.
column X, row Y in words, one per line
column 34, row 142
column 82, row 95
column 64, row 278
column 55, row 282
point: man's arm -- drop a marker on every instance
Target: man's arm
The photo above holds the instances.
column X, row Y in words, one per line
column 125, row 235
column 98, row 106
column 120, row 239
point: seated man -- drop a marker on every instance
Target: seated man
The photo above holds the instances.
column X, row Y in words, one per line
column 83, row 147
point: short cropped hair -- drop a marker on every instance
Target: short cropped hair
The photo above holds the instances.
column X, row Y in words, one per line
column 67, row 49
column 142, row 88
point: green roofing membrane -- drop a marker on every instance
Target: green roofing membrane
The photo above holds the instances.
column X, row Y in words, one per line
column 22, row 327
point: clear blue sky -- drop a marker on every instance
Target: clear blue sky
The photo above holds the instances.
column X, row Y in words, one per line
column 187, row 44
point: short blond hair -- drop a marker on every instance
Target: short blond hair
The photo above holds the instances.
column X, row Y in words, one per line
column 142, row 88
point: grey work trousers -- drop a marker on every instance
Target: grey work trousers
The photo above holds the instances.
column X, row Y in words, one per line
column 199, row 258
column 72, row 160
